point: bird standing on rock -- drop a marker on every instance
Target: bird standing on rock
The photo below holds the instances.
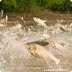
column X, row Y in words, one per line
column 41, row 52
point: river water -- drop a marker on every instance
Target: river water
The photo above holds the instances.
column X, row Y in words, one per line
column 14, row 57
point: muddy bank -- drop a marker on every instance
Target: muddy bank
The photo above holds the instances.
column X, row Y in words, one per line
column 51, row 17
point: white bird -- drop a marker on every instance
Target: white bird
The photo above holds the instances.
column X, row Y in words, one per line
column 40, row 22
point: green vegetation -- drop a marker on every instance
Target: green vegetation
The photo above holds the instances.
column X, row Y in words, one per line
column 29, row 5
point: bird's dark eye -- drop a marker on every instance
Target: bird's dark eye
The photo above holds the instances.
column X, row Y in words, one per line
column 29, row 48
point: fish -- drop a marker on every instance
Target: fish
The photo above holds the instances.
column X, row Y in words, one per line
column 59, row 21
column 20, row 19
column 11, row 33
column 18, row 26
column 41, row 52
column 40, row 22
column 63, row 28
column 55, row 45
column 4, row 21
column 70, row 25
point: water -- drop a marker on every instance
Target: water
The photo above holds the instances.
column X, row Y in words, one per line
column 14, row 57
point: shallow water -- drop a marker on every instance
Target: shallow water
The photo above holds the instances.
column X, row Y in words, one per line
column 14, row 57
